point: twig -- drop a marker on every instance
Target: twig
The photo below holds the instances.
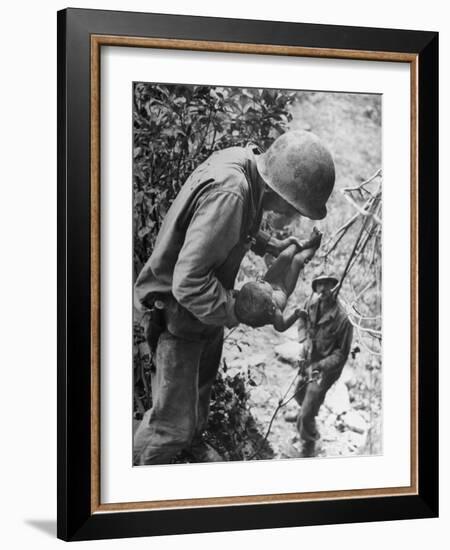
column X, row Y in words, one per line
column 351, row 306
column 281, row 403
column 363, row 291
column 373, row 332
column 343, row 227
column 230, row 333
column 364, row 183
column 374, row 248
column 343, row 231
column 363, row 317
column 347, row 267
column 360, row 209
column 365, row 346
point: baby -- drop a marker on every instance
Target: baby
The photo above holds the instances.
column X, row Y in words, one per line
column 263, row 302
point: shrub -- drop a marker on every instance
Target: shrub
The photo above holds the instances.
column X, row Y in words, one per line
column 176, row 127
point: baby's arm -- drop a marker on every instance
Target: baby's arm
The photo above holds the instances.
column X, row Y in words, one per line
column 283, row 321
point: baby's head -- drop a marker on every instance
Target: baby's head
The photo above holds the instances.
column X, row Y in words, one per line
column 254, row 304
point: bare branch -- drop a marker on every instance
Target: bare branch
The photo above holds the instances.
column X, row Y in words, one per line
column 366, row 347
column 360, row 209
column 364, row 183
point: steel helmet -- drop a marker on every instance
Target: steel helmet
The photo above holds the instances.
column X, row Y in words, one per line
column 299, row 168
column 324, row 277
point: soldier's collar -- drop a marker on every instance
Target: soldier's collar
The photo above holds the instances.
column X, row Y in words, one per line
column 257, row 184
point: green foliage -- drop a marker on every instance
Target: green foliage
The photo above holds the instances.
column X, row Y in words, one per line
column 231, row 427
column 176, row 127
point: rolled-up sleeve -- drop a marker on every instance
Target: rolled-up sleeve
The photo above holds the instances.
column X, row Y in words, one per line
column 214, row 230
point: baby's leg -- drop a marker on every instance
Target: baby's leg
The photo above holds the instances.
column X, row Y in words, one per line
column 276, row 273
column 298, row 263
column 291, row 275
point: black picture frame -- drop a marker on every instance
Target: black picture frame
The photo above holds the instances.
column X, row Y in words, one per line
column 76, row 518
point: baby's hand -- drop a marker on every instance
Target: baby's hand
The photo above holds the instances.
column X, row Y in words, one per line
column 300, row 313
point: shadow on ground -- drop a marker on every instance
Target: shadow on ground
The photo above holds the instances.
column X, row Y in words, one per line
column 47, row 526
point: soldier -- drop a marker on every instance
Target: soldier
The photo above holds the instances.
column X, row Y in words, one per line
column 327, row 333
column 186, row 287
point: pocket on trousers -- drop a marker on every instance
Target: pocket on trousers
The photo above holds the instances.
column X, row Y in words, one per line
column 182, row 324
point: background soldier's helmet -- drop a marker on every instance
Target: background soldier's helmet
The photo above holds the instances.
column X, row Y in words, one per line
column 299, row 168
column 324, row 277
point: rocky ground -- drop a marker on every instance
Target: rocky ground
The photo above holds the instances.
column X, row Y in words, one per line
column 350, row 418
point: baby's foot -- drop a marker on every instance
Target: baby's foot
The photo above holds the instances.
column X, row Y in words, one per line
column 314, row 240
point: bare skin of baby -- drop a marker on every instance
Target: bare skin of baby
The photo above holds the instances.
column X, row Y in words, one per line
column 263, row 302
column 283, row 275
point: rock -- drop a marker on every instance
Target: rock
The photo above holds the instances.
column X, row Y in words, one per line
column 355, row 422
column 355, row 440
column 330, row 420
column 290, row 416
column 365, row 415
column 330, row 436
column 256, row 359
column 337, row 398
column 236, row 364
column 291, row 333
column 260, row 395
column 289, row 351
column 348, row 377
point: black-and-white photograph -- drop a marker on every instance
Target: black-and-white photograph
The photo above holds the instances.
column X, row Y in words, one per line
column 257, row 267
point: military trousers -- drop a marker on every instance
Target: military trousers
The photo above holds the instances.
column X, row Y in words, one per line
column 310, row 396
column 187, row 359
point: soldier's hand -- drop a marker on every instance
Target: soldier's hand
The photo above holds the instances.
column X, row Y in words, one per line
column 316, row 371
column 301, row 314
column 275, row 246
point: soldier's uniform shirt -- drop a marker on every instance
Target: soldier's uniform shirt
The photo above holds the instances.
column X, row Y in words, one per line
column 329, row 337
column 212, row 223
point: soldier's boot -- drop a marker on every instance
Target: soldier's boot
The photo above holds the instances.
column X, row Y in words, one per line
column 308, row 449
column 202, row 451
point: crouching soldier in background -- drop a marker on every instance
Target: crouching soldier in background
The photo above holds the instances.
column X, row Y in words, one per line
column 327, row 333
